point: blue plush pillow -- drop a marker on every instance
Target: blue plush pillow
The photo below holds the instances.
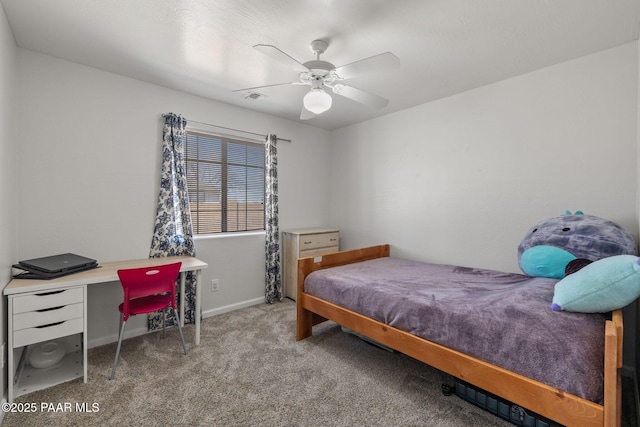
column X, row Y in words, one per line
column 604, row 285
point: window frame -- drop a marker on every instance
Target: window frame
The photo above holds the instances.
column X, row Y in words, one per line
column 197, row 197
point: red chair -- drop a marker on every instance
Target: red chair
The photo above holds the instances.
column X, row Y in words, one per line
column 146, row 290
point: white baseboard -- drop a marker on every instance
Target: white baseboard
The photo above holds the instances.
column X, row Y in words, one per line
column 232, row 307
column 130, row 333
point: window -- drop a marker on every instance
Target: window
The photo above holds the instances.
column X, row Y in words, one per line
column 225, row 178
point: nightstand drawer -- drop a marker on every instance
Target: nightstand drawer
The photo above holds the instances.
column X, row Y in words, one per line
column 31, row 319
column 39, row 301
column 45, row 333
column 320, row 251
column 314, row 241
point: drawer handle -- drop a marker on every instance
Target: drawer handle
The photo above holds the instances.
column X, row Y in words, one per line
column 306, row 243
column 332, row 240
column 42, row 310
column 50, row 293
column 51, row 324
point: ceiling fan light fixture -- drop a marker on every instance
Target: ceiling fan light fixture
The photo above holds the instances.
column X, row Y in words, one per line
column 317, row 101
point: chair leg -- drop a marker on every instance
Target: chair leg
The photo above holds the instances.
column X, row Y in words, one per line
column 164, row 323
column 115, row 362
column 184, row 346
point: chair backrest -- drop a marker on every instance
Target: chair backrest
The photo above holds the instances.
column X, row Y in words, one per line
column 145, row 281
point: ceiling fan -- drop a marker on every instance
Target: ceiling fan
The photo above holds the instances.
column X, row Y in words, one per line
column 321, row 74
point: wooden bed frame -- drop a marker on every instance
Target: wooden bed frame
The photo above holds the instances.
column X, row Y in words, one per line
column 547, row 401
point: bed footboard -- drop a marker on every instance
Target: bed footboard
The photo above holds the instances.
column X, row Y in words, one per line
column 613, row 370
column 547, row 401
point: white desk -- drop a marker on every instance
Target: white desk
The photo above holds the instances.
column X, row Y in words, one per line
column 41, row 310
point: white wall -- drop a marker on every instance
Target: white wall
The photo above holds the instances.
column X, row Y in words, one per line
column 8, row 181
column 463, row 178
column 460, row 180
column 89, row 158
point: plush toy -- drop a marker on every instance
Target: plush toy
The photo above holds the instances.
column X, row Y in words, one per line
column 602, row 286
column 551, row 245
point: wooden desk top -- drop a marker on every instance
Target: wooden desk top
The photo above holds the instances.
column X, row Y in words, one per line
column 107, row 272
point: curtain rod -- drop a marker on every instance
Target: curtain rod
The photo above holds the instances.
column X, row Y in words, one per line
column 235, row 130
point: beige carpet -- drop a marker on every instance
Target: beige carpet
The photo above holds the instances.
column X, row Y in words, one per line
column 249, row 371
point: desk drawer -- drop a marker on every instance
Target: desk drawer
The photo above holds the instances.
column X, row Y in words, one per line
column 314, row 241
column 45, row 333
column 41, row 300
column 48, row 316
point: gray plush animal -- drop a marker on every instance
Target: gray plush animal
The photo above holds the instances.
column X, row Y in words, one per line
column 550, row 245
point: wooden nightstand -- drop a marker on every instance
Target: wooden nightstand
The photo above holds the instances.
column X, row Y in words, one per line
column 304, row 243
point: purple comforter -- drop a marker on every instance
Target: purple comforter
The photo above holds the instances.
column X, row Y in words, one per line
column 502, row 318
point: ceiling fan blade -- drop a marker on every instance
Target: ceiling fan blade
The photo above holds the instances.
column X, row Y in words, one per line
column 382, row 62
column 360, row 96
column 262, row 87
column 280, row 56
column 306, row 114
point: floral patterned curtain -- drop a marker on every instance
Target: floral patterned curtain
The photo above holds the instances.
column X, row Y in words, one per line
column 173, row 233
column 273, row 283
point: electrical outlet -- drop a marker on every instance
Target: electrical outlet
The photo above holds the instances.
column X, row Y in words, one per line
column 215, row 285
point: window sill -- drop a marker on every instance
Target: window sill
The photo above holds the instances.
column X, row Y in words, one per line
column 228, row 235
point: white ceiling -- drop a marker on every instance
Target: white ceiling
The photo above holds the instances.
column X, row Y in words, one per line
column 204, row 47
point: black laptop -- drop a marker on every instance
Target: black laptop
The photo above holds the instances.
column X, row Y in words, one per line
column 54, row 266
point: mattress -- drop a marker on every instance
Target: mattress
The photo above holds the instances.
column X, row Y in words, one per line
column 501, row 318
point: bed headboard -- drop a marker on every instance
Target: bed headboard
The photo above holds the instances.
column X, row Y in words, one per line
column 310, row 264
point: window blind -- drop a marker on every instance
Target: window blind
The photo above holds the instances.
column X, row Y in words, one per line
column 225, row 179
